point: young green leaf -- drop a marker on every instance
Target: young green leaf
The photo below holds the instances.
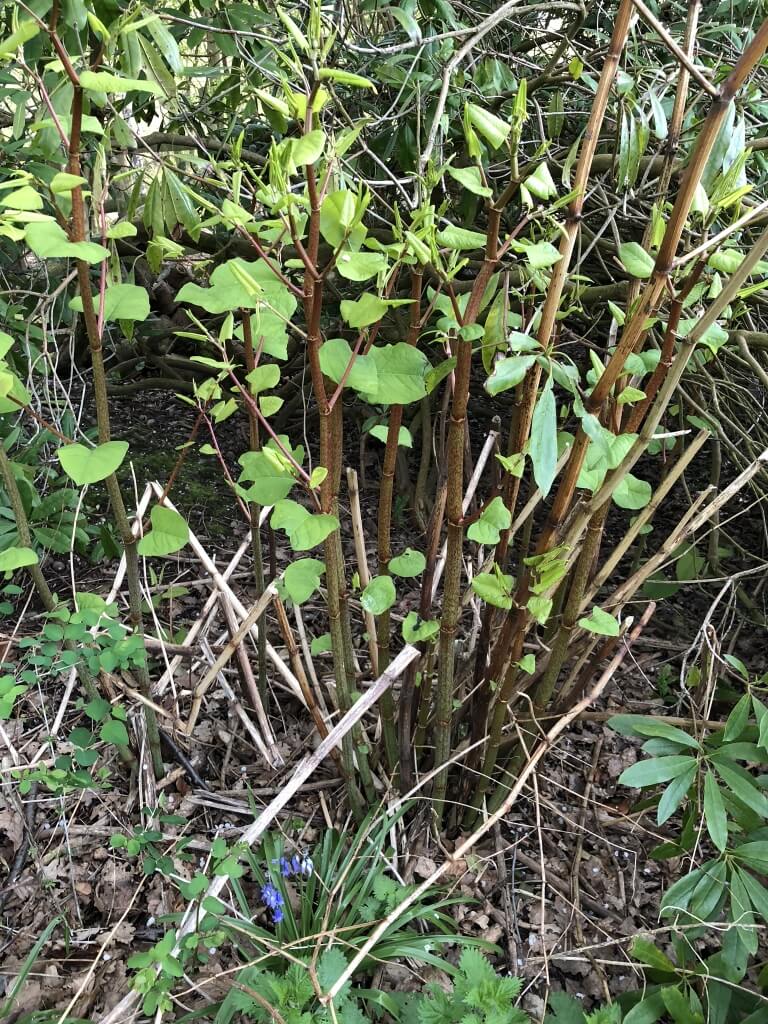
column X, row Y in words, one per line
column 379, row 595
column 168, row 535
column 543, row 444
column 656, row 770
column 600, row 622
column 302, row 578
column 635, row 260
column 409, row 563
column 494, row 518
column 16, row 558
column 714, row 812
column 416, row 630
column 90, row 465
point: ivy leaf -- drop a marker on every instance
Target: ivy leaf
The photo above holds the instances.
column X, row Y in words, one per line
column 17, row 558
column 90, row 465
column 302, row 578
column 543, row 444
column 494, row 518
column 635, row 260
column 379, row 595
column 600, row 622
column 168, row 535
column 409, row 563
column 48, row 241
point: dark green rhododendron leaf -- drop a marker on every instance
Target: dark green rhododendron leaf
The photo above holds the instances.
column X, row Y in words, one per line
column 410, row 563
column 379, row 595
column 600, row 622
column 121, row 302
column 168, row 535
column 90, row 465
column 302, row 578
column 494, row 518
column 48, row 241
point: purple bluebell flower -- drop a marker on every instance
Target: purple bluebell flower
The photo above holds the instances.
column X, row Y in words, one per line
column 295, row 866
column 272, row 899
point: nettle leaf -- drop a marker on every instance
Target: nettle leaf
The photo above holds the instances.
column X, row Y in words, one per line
column 600, row 622
column 269, row 473
column 48, row 241
column 379, row 596
column 103, row 81
column 409, row 563
column 494, row 518
column 508, row 373
column 416, row 630
column 471, row 179
column 402, row 371
column 635, row 260
column 494, row 588
column 121, row 302
column 360, row 266
column 168, row 535
column 90, row 465
column 302, row 578
column 17, row 558
column 543, row 443
column 335, row 355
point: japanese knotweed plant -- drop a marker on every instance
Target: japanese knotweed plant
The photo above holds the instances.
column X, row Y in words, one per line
column 405, row 314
